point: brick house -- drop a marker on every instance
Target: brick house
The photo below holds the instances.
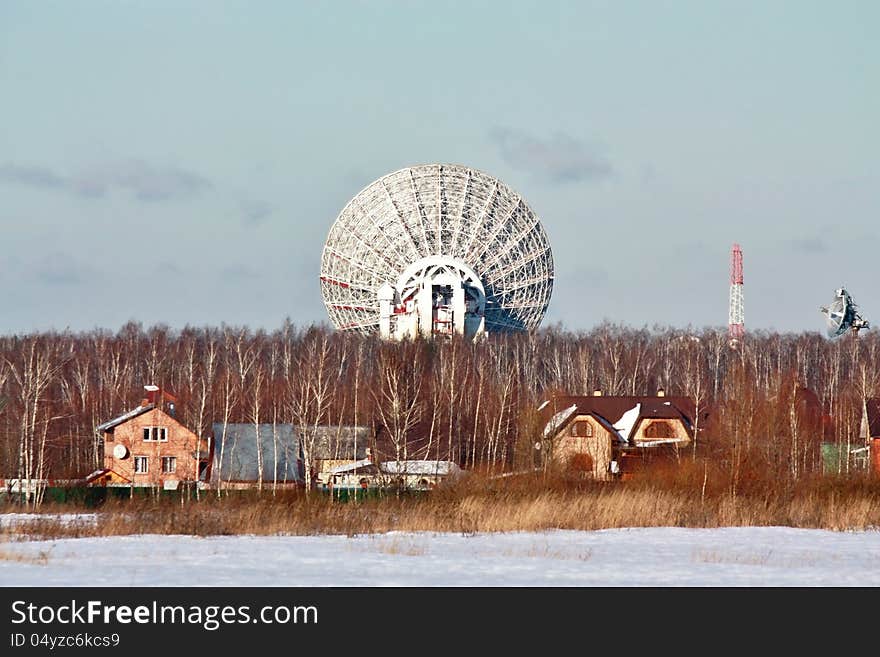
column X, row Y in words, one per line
column 148, row 446
column 606, row 436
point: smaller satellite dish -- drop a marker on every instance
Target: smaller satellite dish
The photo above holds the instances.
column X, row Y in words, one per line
column 842, row 315
column 120, row 451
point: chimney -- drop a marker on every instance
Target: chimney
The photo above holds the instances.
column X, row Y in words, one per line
column 597, row 393
column 152, row 396
column 661, row 392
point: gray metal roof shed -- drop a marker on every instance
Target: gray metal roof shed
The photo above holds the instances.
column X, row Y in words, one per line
column 239, row 450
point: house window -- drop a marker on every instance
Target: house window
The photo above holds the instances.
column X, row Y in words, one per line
column 582, row 428
column 155, row 434
column 141, row 464
column 659, row 429
column 169, row 464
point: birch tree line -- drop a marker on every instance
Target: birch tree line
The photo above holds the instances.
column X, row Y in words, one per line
column 473, row 403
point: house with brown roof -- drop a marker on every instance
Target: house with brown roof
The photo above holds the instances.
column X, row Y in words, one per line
column 148, row 447
column 606, row 436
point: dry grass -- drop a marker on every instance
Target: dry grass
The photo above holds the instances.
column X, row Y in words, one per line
column 546, row 552
column 399, row 546
column 690, row 495
column 40, row 559
column 748, row 559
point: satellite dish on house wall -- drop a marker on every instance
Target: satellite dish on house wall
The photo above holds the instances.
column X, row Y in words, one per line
column 842, row 315
column 120, row 451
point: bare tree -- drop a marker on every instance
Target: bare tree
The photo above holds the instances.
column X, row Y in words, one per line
column 33, row 372
column 397, row 393
column 311, row 387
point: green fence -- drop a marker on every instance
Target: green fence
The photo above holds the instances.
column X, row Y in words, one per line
column 840, row 459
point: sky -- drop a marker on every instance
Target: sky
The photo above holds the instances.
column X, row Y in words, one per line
column 181, row 163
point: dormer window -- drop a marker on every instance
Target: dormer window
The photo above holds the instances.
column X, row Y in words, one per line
column 155, row 434
column 582, row 429
column 659, row 429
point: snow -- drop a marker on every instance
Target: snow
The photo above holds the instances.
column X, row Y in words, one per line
column 420, row 467
column 68, row 519
column 340, row 469
column 625, row 424
column 664, row 556
column 557, row 420
column 664, row 441
column 122, row 418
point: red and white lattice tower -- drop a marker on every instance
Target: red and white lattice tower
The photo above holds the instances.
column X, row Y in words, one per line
column 736, row 322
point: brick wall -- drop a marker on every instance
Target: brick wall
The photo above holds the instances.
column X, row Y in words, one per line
column 181, row 443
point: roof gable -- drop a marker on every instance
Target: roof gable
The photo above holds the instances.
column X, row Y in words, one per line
column 338, row 441
column 610, row 411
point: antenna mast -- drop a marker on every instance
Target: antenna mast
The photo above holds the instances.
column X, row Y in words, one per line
column 736, row 323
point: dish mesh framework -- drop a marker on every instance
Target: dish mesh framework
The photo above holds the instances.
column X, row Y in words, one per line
column 437, row 210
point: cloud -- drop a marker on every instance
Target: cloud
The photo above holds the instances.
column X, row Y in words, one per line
column 238, row 272
column 62, row 269
column 30, row 176
column 809, row 245
column 559, row 159
column 169, row 268
column 593, row 276
column 255, row 213
column 145, row 181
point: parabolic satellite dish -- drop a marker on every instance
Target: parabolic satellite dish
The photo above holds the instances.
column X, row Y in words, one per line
column 436, row 249
column 842, row 315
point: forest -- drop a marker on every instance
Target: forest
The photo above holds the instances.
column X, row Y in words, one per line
column 471, row 402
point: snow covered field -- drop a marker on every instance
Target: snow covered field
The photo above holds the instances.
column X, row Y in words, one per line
column 12, row 519
column 742, row 556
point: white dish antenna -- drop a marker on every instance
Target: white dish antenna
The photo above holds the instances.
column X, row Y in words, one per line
column 416, row 226
column 120, row 451
column 842, row 315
